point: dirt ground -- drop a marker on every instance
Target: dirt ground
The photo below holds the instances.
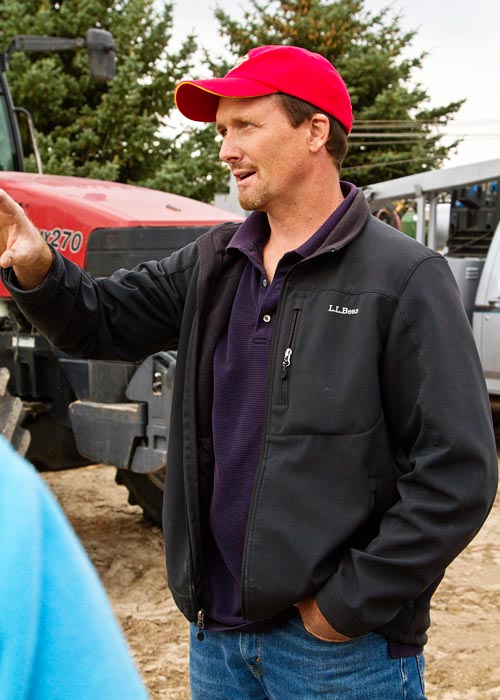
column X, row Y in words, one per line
column 463, row 655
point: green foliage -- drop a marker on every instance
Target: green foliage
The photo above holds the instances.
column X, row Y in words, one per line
column 94, row 130
column 115, row 131
column 394, row 133
column 191, row 166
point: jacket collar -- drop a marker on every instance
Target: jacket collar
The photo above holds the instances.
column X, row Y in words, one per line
column 348, row 228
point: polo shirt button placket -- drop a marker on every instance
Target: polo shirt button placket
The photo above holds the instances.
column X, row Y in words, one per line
column 266, row 318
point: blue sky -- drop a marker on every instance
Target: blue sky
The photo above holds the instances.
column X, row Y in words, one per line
column 462, row 38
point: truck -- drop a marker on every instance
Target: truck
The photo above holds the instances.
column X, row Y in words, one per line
column 469, row 238
column 63, row 412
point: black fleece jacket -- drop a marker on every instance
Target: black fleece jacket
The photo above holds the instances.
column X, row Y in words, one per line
column 378, row 463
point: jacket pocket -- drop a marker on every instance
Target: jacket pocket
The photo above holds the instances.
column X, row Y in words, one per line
column 287, row 357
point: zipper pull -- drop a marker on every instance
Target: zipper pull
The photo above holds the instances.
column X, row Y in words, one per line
column 200, row 624
column 287, row 360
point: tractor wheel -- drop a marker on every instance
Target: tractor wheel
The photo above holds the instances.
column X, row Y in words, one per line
column 144, row 490
column 11, row 416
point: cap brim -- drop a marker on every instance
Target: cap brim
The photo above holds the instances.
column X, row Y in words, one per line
column 199, row 99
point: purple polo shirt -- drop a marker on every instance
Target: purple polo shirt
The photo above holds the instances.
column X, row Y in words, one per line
column 240, row 368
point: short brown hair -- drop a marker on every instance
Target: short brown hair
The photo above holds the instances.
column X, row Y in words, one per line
column 298, row 111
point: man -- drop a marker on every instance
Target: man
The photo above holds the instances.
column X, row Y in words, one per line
column 59, row 637
column 331, row 445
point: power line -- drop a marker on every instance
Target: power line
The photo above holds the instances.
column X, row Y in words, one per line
column 390, row 139
column 388, row 134
column 435, row 122
column 383, row 164
column 384, row 123
column 364, row 144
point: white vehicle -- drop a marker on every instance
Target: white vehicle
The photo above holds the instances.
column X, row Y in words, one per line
column 471, row 246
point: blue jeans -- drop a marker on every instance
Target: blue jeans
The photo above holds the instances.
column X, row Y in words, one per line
column 288, row 663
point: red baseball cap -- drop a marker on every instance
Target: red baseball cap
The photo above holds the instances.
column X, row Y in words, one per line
column 265, row 71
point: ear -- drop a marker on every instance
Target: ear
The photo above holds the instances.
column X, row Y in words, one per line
column 319, row 131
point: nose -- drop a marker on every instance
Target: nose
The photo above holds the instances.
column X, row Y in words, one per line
column 229, row 151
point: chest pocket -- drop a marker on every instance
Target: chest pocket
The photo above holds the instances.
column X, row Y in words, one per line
column 329, row 354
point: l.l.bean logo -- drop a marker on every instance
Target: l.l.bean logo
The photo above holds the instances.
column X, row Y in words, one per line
column 344, row 310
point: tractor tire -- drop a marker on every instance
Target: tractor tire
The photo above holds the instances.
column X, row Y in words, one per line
column 144, row 490
column 11, row 416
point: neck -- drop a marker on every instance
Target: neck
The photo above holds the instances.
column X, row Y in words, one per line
column 293, row 224
column 302, row 213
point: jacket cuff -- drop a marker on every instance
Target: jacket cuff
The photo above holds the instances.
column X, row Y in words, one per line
column 45, row 288
column 338, row 614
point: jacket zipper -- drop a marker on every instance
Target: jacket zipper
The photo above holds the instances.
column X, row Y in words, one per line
column 287, row 358
column 284, row 390
column 200, row 625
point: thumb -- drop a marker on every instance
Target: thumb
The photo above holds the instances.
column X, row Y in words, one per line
column 7, row 259
column 22, row 253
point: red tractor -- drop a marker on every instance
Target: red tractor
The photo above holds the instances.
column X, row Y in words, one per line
column 63, row 412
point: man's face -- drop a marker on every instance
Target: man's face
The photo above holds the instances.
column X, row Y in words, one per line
column 267, row 156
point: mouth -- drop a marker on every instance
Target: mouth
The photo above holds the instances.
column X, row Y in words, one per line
column 242, row 175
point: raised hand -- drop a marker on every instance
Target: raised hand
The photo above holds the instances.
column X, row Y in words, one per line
column 21, row 245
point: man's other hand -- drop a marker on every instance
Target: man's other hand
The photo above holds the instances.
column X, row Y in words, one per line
column 316, row 623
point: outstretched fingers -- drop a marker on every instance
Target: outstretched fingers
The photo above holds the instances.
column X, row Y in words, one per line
column 19, row 239
column 21, row 245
